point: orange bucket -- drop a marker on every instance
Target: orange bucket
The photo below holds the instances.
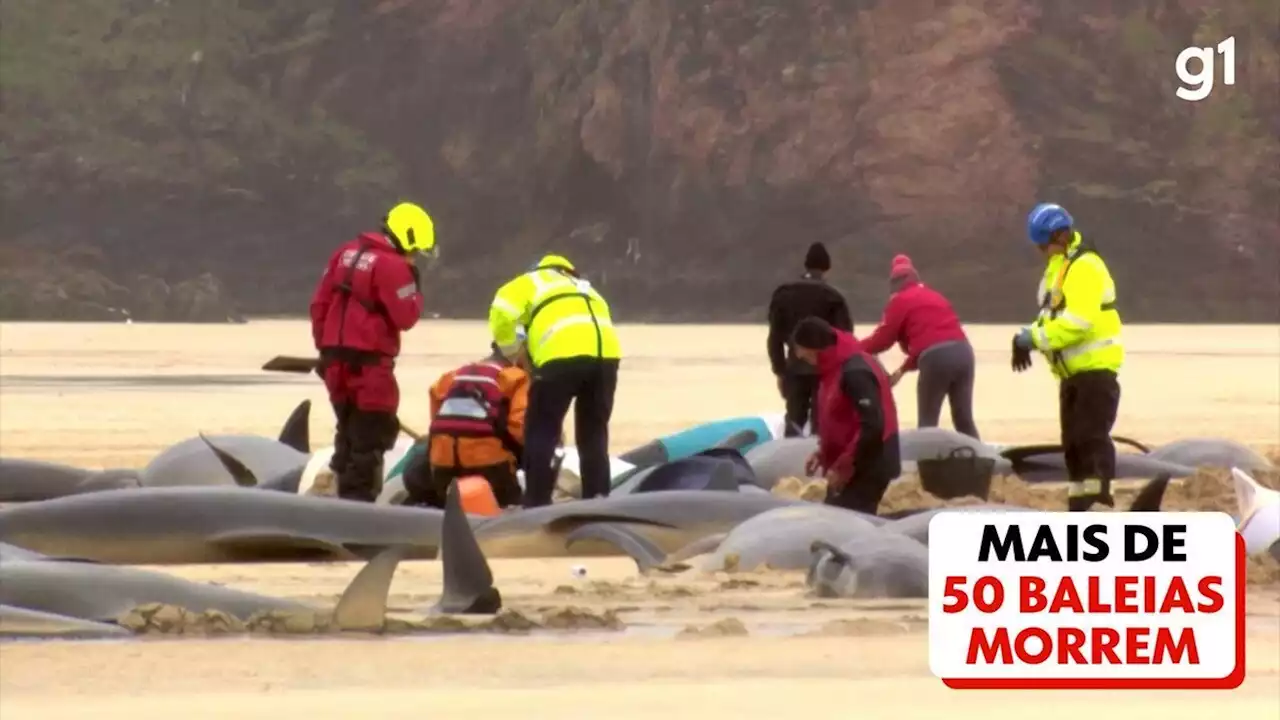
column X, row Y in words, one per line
column 476, row 496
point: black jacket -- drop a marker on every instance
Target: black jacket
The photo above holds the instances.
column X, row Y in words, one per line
column 793, row 302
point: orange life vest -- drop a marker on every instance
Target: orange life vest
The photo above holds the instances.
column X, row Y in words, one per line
column 475, row 407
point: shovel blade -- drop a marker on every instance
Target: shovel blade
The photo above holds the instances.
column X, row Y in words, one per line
column 289, row 364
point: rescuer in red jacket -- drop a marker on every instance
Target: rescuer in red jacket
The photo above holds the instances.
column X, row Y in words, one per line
column 370, row 293
column 923, row 323
column 857, row 418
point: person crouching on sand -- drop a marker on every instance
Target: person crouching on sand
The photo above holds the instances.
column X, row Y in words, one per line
column 477, row 429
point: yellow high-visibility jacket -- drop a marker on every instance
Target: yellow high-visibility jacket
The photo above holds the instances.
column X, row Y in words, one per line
column 562, row 315
column 1079, row 327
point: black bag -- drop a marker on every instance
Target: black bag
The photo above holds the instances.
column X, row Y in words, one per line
column 959, row 474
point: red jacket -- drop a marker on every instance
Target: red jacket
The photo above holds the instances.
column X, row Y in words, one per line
column 383, row 301
column 857, row 418
column 917, row 318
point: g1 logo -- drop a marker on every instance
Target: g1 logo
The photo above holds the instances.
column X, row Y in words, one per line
column 1198, row 85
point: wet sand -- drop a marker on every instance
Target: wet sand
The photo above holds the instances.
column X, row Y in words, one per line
column 818, row 678
column 88, row 395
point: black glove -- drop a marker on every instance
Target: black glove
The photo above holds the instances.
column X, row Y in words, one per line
column 417, row 276
column 1021, row 357
column 320, row 368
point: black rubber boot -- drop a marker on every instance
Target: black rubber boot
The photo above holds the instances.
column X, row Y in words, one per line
column 362, row 479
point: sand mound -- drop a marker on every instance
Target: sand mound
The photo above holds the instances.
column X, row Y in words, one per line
column 1263, row 570
column 728, row 627
column 158, row 619
column 871, row 627
column 796, row 488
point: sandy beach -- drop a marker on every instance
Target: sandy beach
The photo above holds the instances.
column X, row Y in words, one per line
column 115, row 395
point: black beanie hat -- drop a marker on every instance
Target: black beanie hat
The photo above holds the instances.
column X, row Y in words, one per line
column 817, row 258
column 813, row 333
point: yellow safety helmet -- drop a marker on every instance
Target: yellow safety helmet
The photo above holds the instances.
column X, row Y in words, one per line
column 555, row 261
column 410, row 228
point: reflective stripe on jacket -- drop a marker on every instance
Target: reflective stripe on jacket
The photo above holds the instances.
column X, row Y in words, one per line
column 365, row 299
column 463, row 432
column 1079, row 326
column 563, row 317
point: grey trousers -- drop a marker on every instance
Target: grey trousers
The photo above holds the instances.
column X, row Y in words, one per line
column 946, row 372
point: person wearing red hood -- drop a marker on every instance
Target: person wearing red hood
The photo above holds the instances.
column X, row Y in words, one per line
column 923, row 323
column 857, row 418
column 369, row 294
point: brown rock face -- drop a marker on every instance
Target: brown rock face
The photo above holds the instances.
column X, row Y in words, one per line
column 943, row 142
column 682, row 153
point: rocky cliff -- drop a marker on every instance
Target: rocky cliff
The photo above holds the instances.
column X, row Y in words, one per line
column 683, row 153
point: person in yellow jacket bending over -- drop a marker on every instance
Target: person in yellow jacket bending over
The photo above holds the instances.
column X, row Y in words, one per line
column 1078, row 332
column 573, row 349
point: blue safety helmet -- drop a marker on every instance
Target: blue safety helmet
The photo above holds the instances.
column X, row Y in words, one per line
column 1046, row 219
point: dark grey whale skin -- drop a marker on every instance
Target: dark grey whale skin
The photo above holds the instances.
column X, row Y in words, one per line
column 192, row 463
column 35, row 480
column 785, row 457
column 189, row 462
column 23, row 623
column 104, row 593
column 669, row 519
column 179, row 525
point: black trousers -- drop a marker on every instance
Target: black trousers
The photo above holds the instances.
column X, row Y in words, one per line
column 589, row 383
column 428, row 485
column 362, row 438
column 862, row 494
column 1087, row 407
column 800, row 391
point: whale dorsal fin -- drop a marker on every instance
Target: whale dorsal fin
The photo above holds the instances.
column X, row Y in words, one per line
column 240, row 472
column 363, row 606
column 296, row 431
